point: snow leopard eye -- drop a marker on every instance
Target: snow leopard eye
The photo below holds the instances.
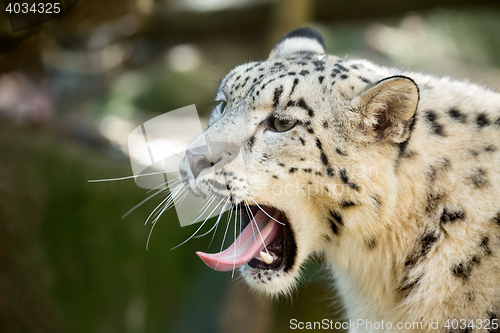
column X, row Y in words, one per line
column 217, row 112
column 221, row 106
column 283, row 125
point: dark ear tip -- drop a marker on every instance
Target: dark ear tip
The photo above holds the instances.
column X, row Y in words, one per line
column 304, row 32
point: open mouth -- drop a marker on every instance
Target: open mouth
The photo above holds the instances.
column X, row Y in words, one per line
column 266, row 242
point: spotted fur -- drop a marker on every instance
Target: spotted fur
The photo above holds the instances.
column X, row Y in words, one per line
column 392, row 176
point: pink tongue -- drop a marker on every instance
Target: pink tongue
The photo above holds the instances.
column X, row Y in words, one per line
column 246, row 246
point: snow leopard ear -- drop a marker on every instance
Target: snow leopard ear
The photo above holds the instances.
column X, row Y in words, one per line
column 302, row 40
column 386, row 110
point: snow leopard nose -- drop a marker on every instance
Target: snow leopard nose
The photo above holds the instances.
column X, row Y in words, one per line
column 198, row 162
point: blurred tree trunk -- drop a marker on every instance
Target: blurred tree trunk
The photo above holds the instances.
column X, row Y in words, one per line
column 289, row 15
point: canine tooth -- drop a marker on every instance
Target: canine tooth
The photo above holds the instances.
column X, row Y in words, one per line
column 268, row 259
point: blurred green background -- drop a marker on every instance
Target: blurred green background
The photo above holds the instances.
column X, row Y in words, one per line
column 71, row 89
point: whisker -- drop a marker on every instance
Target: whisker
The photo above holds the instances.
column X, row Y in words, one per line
column 235, row 243
column 207, row 207
column 261, row 208
column 158, row 217
column 208, row 202
column 213, row 227
column 241, row 222
column 129, row 177
column 250, row 214
column 217, row 222
column 170, row 183
column 169, row 199
column 140, row 203
column 261, row 238
column 201, row 226
column 225, row 233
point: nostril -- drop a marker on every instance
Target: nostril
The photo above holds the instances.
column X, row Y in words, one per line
column 198, row 162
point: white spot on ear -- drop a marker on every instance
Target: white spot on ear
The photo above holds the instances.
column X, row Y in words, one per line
column 295, row 45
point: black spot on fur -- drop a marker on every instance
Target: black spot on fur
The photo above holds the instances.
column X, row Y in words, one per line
column 318, row 144
column 334, row 226
column 320, row 79
column 490, row 149
column 325, row 124
column 265, row 84
column 330, row 172
column 406, row 287
column 295, row 82
column 275, row 177
column 433, row 201
column 485, row 247
column 496, row 219
column 457, row 115
column 302, row 104
column 302, row 141
column 450, row 216
column 365, row 80
column 422, row 248
column 436, row 128
column 463, row 269
column 345, row 179
column 251, row 142
column 304, row 73
column 371, row 243
column 308, row 170
column 341, row 68
column 310, row 130
column 336, row 222
column 324, row 159
column 482, row 120
column 340, row 152
column 347, row 203
column 292, row 170
column 319, row 65
column 281, row 164
column 473, row 152
column 277, row 95
column 478, row 178
column 343, row 76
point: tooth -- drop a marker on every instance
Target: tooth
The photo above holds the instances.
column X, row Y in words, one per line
column 268, row 259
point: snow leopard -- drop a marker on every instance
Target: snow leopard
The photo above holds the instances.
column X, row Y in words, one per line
column 391, row 176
